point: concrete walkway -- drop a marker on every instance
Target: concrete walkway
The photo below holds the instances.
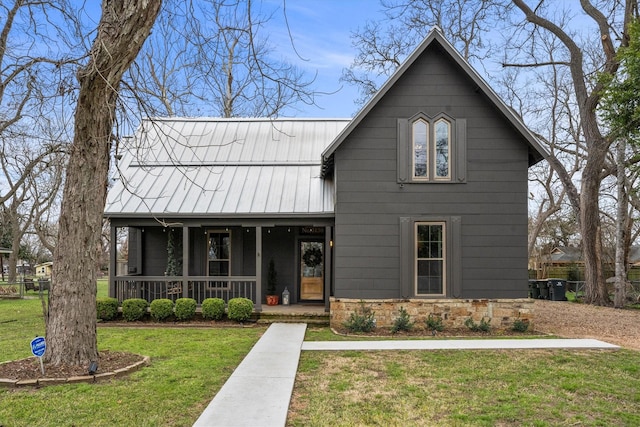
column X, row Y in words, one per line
column 258, row 392
column 460, row 344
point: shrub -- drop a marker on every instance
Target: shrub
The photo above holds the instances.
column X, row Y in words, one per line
column 403, row 322
column 434, row 324
column 361, row 320
column 107, row 308
column 213, row 308
column 185, row 308
column 240, row 309
column 483, row 326
column 520, row 325
column 134, row 309
column 161, row 309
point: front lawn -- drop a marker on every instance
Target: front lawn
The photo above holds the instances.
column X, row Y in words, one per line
column 467, row 388
column 432, row 388
column 188, row 367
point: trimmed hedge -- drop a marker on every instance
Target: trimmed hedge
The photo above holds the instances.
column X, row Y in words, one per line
column 213, row 308
column 134, row 309
column 107, row 308
column 240, row 309
column 161, row 309
column 185, row 308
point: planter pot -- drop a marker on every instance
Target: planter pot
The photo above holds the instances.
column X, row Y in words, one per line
column 272, row 299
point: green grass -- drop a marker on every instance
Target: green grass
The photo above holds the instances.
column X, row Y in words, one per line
column 188, row 368
column 459, row 388
column 467, row 388
column 103, row 288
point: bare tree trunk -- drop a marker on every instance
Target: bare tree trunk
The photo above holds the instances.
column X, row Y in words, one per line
column 621, row 228
column 595, row 287
column 71, row 327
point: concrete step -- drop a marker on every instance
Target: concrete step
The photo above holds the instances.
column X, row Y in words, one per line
column 309, row 318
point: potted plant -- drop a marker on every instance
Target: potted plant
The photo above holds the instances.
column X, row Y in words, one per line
column 272, row 282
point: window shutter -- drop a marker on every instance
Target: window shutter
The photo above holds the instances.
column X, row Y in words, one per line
column 455, row 256
column 461, row 150
column 406, row 257
column 403, row 144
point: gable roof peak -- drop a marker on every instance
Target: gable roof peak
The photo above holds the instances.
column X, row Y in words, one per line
column 536, row 151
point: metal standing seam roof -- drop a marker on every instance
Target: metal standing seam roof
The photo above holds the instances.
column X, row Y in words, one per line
column 223, row 167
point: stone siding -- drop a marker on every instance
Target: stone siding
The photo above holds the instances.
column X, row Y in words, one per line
column 453, row 312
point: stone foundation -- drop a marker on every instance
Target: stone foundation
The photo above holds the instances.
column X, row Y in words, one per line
column 454, row 312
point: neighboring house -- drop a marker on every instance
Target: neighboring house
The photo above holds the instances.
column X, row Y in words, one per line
column 421, row 197
column 566, row 262
column 45, row 269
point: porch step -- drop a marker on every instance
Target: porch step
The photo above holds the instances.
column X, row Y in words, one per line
column 308, row 317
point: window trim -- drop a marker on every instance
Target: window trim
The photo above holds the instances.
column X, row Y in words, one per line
column 453, row 254
column 444, row 258
column 427, row 149
column 457, row 146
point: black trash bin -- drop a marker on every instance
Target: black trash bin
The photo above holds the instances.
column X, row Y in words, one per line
column 534, row 292
column 557, row 289
column 543, row 288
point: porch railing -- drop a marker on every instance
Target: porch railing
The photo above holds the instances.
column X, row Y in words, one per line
column 196, row 287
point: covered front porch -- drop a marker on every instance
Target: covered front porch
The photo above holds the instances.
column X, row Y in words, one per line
column 225, row 259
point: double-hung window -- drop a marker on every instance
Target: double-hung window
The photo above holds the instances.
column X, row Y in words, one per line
column 430, row 258
column 430, row 253
column 431, row 149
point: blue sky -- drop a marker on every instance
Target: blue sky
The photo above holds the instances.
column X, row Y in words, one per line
column 321, row 32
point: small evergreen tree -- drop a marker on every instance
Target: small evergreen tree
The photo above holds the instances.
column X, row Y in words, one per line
column 272, row 278
column 174, row 253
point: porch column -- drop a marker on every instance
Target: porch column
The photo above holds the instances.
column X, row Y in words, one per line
column 185, row 261
column 113, row 261
column 328, row 266
column 258, row 306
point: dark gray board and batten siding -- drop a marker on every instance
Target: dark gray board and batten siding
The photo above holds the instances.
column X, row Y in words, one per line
column 486, row 214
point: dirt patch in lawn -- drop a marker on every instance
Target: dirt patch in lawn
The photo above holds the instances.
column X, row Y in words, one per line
column 574, row 320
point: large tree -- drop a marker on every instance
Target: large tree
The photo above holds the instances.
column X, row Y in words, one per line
column 213, row 57
column 71, row 326
column 382, row 46
column 621, row 111
column 611, row 23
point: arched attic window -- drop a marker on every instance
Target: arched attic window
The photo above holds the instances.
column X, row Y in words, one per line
column 420, row 140
column 442, row 148
column 431, row 149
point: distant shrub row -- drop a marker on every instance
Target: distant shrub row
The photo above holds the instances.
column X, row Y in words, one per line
column 239, row 309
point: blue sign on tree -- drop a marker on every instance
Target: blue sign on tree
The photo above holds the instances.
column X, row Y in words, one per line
column 38, row 346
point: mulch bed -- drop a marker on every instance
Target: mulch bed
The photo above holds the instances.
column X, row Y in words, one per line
column 425, row 333
column 29, row 369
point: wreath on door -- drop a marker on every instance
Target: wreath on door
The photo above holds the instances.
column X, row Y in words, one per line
column 312, row 257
